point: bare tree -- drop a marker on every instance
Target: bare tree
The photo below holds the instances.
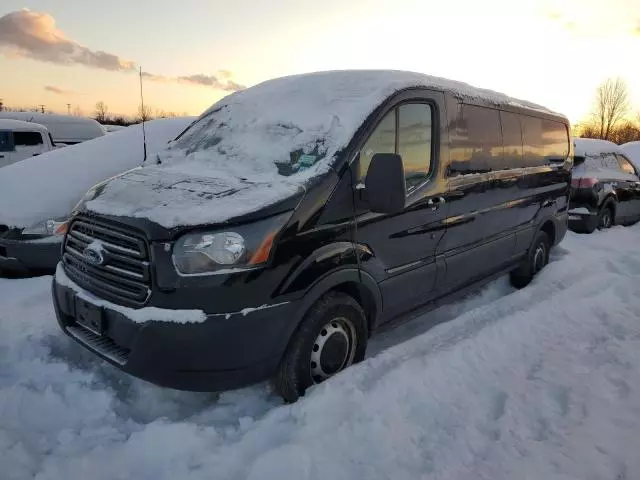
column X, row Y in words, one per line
column 102, row 112
column 611, row 105
column 144, row 113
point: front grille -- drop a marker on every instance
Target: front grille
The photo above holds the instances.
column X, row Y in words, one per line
column 124, row 276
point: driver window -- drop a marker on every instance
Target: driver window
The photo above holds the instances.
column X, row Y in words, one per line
column 382, row 140
column 407, row 131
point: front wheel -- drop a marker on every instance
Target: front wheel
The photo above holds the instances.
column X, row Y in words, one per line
column 536, row 260
column 332, row 336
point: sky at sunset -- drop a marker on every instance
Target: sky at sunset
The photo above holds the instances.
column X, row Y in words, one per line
column 194, row 52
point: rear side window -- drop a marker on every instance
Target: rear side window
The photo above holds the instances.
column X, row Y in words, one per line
column 625, row 165
column 532, row 141
column 27, row 139
column 407, row 131
column 6, row 141
column 555, row 139
column 512, row 140
column 477, row 141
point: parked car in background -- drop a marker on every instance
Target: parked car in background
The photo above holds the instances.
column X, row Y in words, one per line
column 43, row 191
column 605, row 188
column 297, row 217
column 64, row 129
column 20, row 140
column 632, row 151
column 112, row 128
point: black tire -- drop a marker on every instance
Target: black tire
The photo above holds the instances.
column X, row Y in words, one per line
column 295, row 373
column 536, row 260
column 605, row 217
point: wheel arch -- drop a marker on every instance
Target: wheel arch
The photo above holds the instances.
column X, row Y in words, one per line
column 357, row 284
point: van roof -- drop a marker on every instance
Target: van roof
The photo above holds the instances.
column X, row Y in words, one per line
column 317, row 112
column 265, row 144
column 47, row 117
column 63, row 128
column 594, row 147
column 19, row 125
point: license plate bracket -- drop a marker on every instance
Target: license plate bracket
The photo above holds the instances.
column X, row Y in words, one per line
column 89, row 316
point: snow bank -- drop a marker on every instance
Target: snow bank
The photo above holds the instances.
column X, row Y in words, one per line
column 542, row 383
column 48, row 186
column 263, row 143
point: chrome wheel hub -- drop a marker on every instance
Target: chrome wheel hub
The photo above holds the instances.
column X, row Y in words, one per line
column 333, row 349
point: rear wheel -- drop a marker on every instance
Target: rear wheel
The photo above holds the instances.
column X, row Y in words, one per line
column 605, row 217
column 332, row 336
column 536, row 260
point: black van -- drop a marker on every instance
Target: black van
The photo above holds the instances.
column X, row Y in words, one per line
column 297, row 217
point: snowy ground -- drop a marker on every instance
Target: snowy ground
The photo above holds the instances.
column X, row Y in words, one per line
column 542, row 383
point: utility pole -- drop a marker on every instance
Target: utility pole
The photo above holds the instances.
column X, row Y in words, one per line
column 68, row 109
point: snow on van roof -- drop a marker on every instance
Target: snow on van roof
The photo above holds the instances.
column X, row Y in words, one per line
column 276, row 135
column 47, row 117
column 594, row 147
column 49, row 185
column 7, row 124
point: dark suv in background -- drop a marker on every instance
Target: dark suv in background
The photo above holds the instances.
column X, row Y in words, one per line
column 605, row 187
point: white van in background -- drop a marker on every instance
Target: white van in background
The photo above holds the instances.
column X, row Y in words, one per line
column 20, row 140
column 64, row 129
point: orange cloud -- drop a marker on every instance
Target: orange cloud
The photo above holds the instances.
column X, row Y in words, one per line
column 34, row 35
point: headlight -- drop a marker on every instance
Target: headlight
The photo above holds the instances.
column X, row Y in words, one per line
column 243, row 247
column 57, row 226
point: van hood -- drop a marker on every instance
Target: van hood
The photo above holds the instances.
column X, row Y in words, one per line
column 174, row 198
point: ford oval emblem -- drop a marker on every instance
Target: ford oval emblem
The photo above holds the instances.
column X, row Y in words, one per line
column 94, row 254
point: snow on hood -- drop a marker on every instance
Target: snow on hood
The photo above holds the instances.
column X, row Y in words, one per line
column 49, row 185
column 276, row 136
column 591, row 147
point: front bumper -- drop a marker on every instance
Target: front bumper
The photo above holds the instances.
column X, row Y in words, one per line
column 25, row 257
column 223, row 352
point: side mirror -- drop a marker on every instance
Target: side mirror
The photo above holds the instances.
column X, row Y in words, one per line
column 385, row 189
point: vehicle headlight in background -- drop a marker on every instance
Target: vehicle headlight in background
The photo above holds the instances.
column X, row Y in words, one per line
column 53, row 227
column 242, row 247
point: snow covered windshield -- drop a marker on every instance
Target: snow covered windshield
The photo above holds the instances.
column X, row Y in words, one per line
column 214, row 134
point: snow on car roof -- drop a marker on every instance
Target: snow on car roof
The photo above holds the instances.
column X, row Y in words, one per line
column 594, row 147
column 632, row 150
column 7, row 124
column 49, row 185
